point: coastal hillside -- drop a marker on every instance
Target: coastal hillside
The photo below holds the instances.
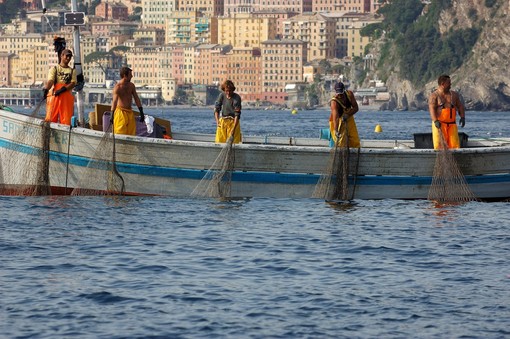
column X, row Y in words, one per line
column 467, row 39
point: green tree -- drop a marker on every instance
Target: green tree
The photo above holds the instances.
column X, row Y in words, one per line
column 325, row 65
column 421, row 50
column 400, row 14
column 9, row 10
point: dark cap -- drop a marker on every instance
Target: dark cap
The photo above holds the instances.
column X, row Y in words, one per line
column 67, row 52
column 340, row 87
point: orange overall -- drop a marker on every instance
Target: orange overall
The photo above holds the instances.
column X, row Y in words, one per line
column 449, row 129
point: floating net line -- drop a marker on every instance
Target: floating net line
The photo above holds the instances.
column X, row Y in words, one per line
column 100, row 176
column 333, row 184
column 448, row 183
column 25, row 161
column 217, row 181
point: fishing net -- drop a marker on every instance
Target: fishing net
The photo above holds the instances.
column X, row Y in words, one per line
column 25, row 161
column 100, row 176
column 448, row 183
column 217, row 181
column 333, row 184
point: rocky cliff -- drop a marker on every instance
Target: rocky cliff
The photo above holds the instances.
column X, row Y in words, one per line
column 484, row 77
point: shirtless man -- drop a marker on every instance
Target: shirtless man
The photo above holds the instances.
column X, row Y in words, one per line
column 123, row 93
column 444, row 105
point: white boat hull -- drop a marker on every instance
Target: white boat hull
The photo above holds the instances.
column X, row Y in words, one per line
column 263, row 167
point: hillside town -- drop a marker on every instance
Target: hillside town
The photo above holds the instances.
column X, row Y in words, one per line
column 180, row 51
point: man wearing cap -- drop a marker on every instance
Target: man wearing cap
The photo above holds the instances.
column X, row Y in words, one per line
column 123, row 94
column 341, row 121
column 61, row 81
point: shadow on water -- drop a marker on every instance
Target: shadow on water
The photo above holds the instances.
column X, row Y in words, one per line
column 229, row 202
column 342, row 205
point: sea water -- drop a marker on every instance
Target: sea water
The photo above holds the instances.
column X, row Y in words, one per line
column 160, row 267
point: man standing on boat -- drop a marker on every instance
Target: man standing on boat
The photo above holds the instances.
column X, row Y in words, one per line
column 443, row 107
column 123, row 94
column 227, row 112
column 341, row 121
column 60, row 103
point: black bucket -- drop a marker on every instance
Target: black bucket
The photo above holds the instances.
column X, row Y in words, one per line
column 424, row 140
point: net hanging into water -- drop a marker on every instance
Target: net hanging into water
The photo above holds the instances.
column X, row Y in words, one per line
column 217, row 181
column 448, row 183
column 101, row 176
column 333, row 184
column 25, row 163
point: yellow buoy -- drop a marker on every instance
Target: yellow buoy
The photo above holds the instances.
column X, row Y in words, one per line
column 294, row 111
column 378, row 128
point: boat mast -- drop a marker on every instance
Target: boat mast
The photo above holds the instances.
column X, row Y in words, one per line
column 78, row 67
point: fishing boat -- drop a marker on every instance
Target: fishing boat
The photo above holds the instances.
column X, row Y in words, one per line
column 272, row 166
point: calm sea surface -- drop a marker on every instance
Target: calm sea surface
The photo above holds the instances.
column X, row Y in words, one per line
column 96, row 267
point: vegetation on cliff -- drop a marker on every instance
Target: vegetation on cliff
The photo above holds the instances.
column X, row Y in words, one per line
column 412, row 37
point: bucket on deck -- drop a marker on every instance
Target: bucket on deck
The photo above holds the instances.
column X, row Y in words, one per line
column 325, row 134
column 107, row 117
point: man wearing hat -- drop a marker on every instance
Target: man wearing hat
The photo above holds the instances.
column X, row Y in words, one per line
column 61, row 81
column 341, row 121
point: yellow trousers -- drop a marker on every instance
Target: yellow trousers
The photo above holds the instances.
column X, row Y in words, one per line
column 224, row 130
column 352, row 133
column 124, row 121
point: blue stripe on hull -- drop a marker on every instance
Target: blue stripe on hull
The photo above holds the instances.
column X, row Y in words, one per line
column 254, row 177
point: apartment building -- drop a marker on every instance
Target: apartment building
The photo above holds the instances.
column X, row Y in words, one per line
column 24, row 68
column 357, row 43
column 360, row 6
column 190, row 27
column 243, row 6
column 244, row 69
column 112, row 11
column 315, row 29
column 131, row 5
column 168, row 89
column 174, row 55
column 156, row 12
column 207, row 7
column 282, row 63
column 243, row 30
column 144, row 61
column 106, row 28
column 189, row 62
column 219, row 65
column 150, row 36
column 206, row 56
column 279, row 15
column 6, row 68
column 183, row 44
column 16, row 43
